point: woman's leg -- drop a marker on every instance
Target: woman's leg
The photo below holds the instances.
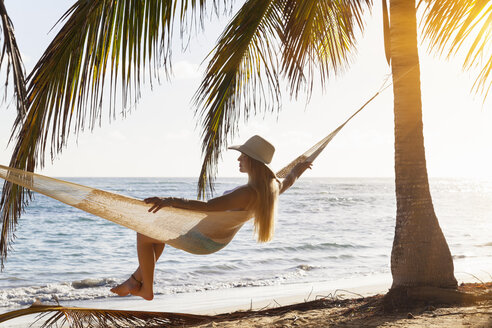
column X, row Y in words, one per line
column 158, row 249
column 146, row 260
column 149, row 250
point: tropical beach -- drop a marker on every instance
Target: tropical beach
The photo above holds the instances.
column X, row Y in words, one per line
column 336, row 309
column 382, row 231
column 346, row 259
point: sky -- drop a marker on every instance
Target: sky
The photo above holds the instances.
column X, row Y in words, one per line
column 160, row 136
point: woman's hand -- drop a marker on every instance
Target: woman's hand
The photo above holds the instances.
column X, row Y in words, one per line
column 294, row 174
column 299, row 169
column 158, row 203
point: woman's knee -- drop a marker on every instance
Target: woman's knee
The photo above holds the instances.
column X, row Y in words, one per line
column 145, row 239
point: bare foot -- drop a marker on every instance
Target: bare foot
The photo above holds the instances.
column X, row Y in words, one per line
column 130, row 286
column 144, row 292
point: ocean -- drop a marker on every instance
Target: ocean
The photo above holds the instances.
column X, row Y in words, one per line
column 327, row 229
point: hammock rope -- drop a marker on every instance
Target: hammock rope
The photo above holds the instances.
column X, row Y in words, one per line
column 192, row 231
column 313, row 152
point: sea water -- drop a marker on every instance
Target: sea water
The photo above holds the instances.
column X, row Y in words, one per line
column 327, row 229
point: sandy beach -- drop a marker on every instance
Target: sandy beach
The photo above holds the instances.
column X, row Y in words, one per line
column 363, row 313
column 216, row 302
column 353, row 303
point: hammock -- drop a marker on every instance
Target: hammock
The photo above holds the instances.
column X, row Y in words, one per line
column 192, row 231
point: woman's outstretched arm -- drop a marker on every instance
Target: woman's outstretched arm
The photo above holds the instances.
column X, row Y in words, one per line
column 236, row 200
column 294, row 174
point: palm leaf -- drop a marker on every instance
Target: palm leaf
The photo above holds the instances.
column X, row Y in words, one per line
column 103, row 46
column 61, row 316
column 11, row 52
column 452, row 26
column 318, row 37
column 242, row 76
column 386, row 32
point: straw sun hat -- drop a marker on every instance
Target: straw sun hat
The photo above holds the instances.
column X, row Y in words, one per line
column 258, row 148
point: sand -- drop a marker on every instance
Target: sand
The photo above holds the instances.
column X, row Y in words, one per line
column 304, row 305
column 471, row 316
column 213, row 302
column 364, row 312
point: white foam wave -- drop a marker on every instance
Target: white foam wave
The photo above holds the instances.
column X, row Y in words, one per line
column 22, row 296
column 89, row 289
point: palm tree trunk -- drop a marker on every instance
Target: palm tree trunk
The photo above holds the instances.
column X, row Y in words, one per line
column 420, row 255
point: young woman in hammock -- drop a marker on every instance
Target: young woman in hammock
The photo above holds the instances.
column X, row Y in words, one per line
column 259, row 196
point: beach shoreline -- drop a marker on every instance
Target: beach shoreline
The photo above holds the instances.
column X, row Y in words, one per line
column 213, row 302
column 219, row 302
column 331, row 235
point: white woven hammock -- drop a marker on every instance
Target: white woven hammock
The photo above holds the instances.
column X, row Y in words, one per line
column 192, row 231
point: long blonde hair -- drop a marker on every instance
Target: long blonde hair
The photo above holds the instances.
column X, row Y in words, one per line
column 267, row 190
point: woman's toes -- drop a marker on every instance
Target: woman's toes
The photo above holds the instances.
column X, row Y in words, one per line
column 121, row 290
column 129, row 286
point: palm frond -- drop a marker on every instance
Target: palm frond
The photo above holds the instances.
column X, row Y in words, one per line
column 386, row 32
column 243, row 73
column 61, row 316
column 11, row 53
column 67, row 84
column 319, row 37
column 241, row 77
column 466, row 25
column 103, row 46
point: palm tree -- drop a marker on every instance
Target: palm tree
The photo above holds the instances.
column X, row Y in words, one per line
column 322, row 32
column 420, row 254
column 299, row 40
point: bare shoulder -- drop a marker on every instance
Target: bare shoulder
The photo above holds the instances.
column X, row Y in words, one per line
column 238, row 199
column 245, row 190
column 240, row 191
column 247, row 193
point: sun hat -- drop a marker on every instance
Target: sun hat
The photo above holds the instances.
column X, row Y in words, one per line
column 258, row 148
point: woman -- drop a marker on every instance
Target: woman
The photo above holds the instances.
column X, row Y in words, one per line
column 258, row 196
